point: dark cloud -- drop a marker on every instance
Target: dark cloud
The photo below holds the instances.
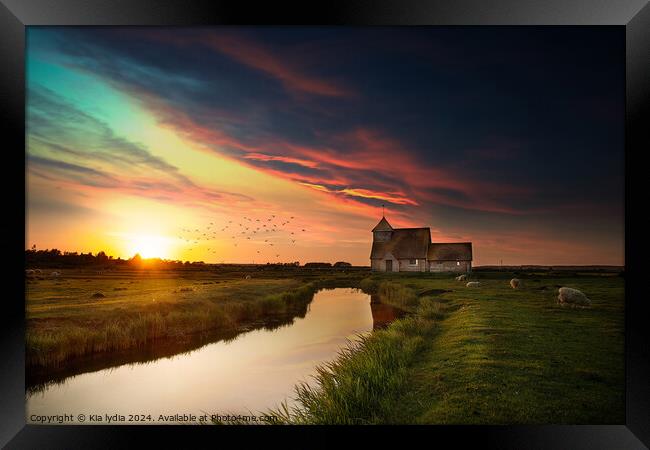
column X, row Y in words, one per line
column 498, row 120
column 81, row 174
column 53, row 207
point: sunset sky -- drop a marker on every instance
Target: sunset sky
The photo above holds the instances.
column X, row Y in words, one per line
column 511, row 138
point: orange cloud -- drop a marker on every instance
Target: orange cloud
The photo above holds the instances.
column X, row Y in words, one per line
column 362, row 160
column 365, row 193
column 285, row 159
column 361, row 155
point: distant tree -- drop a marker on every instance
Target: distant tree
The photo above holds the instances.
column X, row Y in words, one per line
column 101, row 257
column 69, row 259
column 342, row 264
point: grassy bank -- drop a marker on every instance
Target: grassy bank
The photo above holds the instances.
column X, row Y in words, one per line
column 66, row 318
column 488, row 355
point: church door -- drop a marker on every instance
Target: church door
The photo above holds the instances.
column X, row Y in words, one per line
column 389, row 265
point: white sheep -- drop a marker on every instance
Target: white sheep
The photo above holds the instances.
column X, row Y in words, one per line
column 572, row 297
column 473, row 284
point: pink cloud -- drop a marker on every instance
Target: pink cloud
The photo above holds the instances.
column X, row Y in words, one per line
column 281, row 67
column 278, row 65
column 361, row 155
column 363, row 161
column 365, row 193
column 285, row 159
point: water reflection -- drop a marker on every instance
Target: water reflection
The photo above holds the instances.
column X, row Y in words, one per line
column 383, row 315
column 38, row 379
column 251, row 372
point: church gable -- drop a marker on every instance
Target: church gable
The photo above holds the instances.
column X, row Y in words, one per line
column 383, row 225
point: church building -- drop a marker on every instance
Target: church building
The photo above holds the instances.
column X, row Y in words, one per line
column 411, row 250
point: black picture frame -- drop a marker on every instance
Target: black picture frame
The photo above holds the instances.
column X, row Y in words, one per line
column 15, row 15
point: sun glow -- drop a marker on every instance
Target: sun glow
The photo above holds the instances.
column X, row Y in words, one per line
column 150, row 246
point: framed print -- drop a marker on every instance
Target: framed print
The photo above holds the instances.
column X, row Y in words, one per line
column 396, row 215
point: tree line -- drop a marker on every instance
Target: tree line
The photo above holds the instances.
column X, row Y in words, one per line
column 56, row 258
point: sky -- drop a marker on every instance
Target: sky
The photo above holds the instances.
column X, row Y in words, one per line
column 162, row 141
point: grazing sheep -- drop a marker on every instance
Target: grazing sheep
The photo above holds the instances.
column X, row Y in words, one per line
column 38, row 271
column 473, row 284
column 98, row 295
column 247, row 277
column 29, row 272
column 515, row 283
column 461, row 278
column 572, row 297
column 55, row 274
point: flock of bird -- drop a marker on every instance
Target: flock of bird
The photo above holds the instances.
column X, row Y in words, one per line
column 268, row 234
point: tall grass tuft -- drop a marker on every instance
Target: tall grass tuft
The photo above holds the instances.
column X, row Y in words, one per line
column 360, row 385
column 431, row 310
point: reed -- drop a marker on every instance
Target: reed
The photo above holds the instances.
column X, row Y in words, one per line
column 123, row 330
column 361, row 384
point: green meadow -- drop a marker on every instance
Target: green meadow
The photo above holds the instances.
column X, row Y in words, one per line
column 486, row 355
column 81, row 315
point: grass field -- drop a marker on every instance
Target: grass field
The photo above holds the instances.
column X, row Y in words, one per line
column 487, row 355
column 66, row 319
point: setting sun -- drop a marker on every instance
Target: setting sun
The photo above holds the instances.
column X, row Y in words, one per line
column 150, row 246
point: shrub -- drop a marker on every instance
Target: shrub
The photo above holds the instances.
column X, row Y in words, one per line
column 369, row 285
column 397, row 295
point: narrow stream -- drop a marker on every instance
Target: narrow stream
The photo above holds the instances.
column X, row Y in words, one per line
column 247, row 375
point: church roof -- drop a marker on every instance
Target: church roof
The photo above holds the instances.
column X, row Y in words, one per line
column 457, row 251
column 383, row 225
column 406, row 243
